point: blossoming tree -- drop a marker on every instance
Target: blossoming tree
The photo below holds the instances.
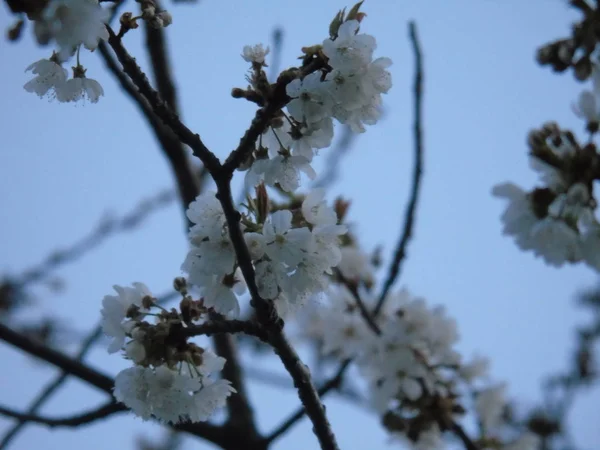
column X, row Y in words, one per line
column 283, row 265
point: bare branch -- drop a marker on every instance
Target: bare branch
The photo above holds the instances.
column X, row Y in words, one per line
column 58, row 359
column 162, row 110
column 103, row 230
column 333, row 383
column 364, row 311
column 102, row 412
column 411, row 209
column 54, row 385
column 462, row 435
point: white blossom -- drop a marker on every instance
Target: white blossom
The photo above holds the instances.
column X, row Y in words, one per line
column 256, row 245
column 316, row 211
column 277, row 139
column 518, row 218
column 169, row 395
column 79, row 87
column 355, row 264
column 50, row 76
column 207, row 215
column 588, row 103
column 255, row 53
column 315, row 136
column 71, row 23
column 219, row 295
column 310, row 102
column 349, row 50
column 282, row 242
column 211, row 397
column 270, row 278
column 489, row 405
column 556, row 242
column 114, row 312
column 285, row 170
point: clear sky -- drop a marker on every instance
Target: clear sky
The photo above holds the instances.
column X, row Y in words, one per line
column 62, row 166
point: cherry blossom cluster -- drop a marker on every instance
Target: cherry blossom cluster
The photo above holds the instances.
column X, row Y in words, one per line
column 171, row 377
column 556, row 220
column 348, row 88
column 293, row 250
column 71, row 25
column 416, row 379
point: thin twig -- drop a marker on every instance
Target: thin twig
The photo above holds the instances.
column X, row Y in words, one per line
column 364, row 311
column 411, row 209
column 88, row 417
column 104, row 230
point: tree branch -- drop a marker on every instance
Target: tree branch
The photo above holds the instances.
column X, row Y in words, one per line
column 187, row 181
column 227, row 327
column 161, row 109
column 51, row 388
column 224, row 345
column 222, row 175
column 333, row 383
column 60, row 360
column 364, row 311
column 411, row 209
column 102, row 412
column 218, row 435
column 462, row 435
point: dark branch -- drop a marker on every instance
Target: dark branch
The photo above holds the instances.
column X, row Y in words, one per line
column 462, row 435
column 213, row 433
column 60, row 360
column 52, row 387
column 333, row 383
column 162, row 110
column 224, row 345
column 364, row 311
column 222, row 175
column 102, row 412
column 263, row 116
column 227, row 327
column 411, row 209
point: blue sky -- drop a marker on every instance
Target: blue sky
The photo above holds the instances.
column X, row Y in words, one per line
column 62, row 166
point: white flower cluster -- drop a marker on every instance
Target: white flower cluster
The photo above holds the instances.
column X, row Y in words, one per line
column 348, row 91
column 411, row 367
column 490, row 406
column 170, row 379
column 556, row 221
column 52, row 80
column 71, row 24
column 292, row 254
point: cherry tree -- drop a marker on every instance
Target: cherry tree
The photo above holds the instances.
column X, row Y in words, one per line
column 282, row 266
